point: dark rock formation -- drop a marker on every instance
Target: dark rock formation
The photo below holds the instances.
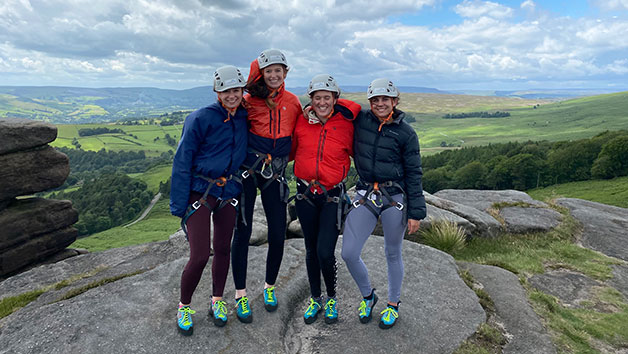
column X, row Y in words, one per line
column 32, row 229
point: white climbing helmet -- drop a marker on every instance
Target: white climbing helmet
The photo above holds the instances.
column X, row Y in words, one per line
column 228, row 77
column 381, row 87
column 270, row 57
column 323, row 82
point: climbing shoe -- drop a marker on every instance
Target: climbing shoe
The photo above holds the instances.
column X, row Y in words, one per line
column 184, row 320
column 311, row 313
column 243, row 310
column 270, row 300
column 389, row 316
column 219, row 311
column 331, row 313
column 366, row 307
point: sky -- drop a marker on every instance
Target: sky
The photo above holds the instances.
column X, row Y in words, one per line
column 449, row 45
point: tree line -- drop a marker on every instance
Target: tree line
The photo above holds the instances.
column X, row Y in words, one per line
column 98, row 131
column 526, row 165
column 496, row 114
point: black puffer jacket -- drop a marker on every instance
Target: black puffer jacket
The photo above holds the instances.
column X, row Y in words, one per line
column 391, row 154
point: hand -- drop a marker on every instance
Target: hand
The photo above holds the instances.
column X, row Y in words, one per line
column 413, row 225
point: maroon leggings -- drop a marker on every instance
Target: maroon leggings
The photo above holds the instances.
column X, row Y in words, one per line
column 199, row 225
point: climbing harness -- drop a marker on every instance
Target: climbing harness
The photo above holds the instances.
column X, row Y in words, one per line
column 317, row 190
column 374, row 197
column 193, row 207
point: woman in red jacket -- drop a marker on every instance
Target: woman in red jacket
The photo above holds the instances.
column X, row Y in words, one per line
column 322, row 146
column 273, row 112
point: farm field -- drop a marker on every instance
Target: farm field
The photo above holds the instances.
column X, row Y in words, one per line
column 613, row 191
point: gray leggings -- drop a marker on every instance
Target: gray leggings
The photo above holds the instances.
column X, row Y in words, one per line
column 358, row 227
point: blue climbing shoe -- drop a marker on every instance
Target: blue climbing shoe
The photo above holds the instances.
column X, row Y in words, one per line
column 243, row 310
column 184, row 320
column 311, row 313
column 331, row 313
column 366, row 307
column 270, row 299
column 389, row 316
column 219, row 312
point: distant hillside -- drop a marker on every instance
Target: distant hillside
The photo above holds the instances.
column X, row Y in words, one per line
column 362, row 89
column 85, row 105
column 547, row 94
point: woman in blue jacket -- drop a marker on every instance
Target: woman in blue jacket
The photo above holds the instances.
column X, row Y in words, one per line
column 212, row 148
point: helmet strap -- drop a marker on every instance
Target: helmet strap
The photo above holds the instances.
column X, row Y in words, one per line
column 386, row 120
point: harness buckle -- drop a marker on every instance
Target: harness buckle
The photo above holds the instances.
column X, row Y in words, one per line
column 234, row 202
column 246, row 174
column 335, row 199
column 356, row 203
column 196, row 205
column 399, row 206
column 300, row 196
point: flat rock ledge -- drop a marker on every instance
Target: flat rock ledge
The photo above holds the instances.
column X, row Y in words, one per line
column 137, row 313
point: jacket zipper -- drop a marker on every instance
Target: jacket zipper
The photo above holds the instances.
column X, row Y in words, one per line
column 375, row 151
column 319, row 154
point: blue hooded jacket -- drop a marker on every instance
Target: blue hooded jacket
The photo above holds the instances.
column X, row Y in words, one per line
column 211, row 146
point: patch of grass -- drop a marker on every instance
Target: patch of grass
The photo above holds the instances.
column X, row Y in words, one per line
column 530, row 253
column 485, row 299
column 10, row 304
column 158, row 225
column 612, row 191
column 446, row 236
column 78, row 291
column 576, row 329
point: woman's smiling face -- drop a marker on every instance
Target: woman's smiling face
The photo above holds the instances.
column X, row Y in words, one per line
column 274, row 75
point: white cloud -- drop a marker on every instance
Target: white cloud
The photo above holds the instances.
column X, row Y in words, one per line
column 612, row 4
column 178, row 43
column 476, row 8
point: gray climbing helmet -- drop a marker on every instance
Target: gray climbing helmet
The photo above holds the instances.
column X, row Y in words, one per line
column 381, row 87
column 228, row 77
column 270, row 57
column 323, row 82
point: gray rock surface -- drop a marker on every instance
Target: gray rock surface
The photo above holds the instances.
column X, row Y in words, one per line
column 27, row 172
column 524, row 220
column 137, row 313
column 27, row 218
column 484, row 199
column 486, row 225
column 512, row 309
column 605, row 226
column 435, row 214
column 569, row 287
column 21, row 134
column 620, row 279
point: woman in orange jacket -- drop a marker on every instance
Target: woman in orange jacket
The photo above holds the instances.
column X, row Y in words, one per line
column 322, row 147
column 272, row 116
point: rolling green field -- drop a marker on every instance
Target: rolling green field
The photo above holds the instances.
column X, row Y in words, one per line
column 157, row 226
column 146, row 135
column 613, row 191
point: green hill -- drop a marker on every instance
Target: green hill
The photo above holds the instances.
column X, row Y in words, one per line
column 565, row 120
column 87, row 105
column 610, row 191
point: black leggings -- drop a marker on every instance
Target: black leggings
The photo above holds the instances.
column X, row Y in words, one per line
column 320, row 233
column 275, row 210
column 199, row 225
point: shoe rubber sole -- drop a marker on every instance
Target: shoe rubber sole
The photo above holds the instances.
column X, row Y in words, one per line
column 331, row 320
column 271, row 308
column 368, row 318
column 382, row 325
column 186, row 332
column 247, row 319
column 311, row 320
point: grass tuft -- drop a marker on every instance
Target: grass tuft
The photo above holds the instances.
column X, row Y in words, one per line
column 446, row 236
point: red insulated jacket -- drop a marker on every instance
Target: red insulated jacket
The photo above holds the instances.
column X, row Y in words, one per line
column 321, row 151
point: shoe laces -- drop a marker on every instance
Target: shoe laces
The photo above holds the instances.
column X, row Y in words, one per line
column 331, row 303
column 388, row 312
column 220, row 308
column 184, row 313
column 313, row 307
column 362, row 308
column 270, row 292
column 243, row 303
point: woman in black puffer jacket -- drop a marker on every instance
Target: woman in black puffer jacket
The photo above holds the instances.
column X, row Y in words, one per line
column 388, row 161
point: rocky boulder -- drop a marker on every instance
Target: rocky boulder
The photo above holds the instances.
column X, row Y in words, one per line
column 32, row 228
column 485, row 224
column 144, row 280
